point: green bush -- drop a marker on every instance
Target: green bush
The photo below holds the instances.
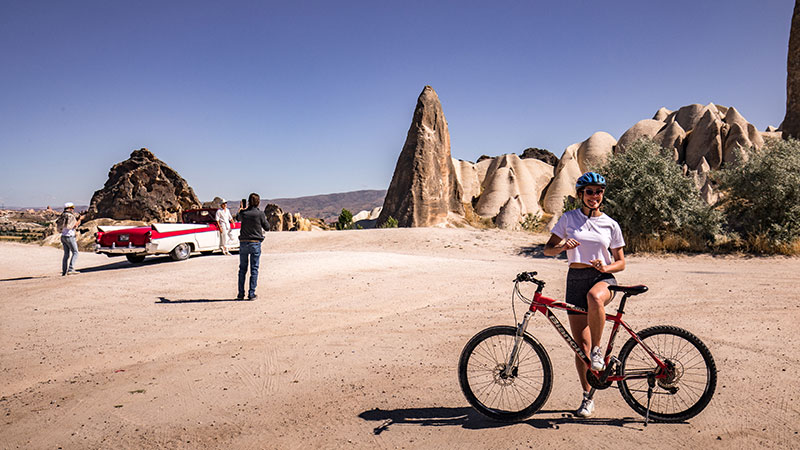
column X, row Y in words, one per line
column 571, row 203
column 657, row 207
column 533, row 223
column 345, row 221
column 391, row 222
column 762, row 195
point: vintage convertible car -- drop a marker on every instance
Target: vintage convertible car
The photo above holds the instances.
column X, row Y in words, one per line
column 198, row 232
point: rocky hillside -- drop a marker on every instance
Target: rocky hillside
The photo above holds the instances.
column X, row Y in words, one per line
column 328, row 206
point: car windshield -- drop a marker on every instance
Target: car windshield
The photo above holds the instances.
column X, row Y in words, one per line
column 199, row 216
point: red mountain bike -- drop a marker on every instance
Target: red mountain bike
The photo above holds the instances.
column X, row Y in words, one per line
column 664, row 373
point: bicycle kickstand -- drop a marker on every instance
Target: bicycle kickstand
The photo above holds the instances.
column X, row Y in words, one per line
column 651, row 383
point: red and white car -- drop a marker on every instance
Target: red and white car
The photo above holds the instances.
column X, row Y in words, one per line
column 198, row 233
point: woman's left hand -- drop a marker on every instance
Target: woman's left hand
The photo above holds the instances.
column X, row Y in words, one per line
column 597, row 264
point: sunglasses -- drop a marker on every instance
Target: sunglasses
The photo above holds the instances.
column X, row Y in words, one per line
column 594, row 192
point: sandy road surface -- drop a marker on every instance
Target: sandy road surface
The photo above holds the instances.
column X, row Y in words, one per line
column 354, row 343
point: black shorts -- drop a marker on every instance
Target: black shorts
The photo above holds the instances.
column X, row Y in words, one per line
column 580, row 282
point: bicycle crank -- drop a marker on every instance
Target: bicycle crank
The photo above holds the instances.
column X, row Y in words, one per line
column 602, row 382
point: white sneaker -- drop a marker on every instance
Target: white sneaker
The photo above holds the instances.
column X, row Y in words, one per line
column 597, row 359
column 587, row 407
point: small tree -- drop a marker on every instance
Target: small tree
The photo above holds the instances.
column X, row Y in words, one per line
column 657, row 207
column 391, row 222
column 762, row 195
column 345, row 221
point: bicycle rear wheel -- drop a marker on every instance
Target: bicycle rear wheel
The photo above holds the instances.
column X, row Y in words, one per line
column 481, row 373
column 691, row 375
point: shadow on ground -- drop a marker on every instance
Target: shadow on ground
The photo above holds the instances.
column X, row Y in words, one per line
column 165, row 300
column 21, row 278
column 537, row 251
column 470, row 419
column 124, row 264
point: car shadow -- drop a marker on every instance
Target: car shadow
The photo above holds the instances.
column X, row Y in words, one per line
column 470, row 419
column 125, row 264
column 164, row 300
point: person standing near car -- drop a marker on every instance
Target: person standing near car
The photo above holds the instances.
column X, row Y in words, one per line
column 224, row 222
column 66, row 224
column 251, row 234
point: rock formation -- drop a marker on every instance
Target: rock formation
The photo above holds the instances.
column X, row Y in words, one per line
column 594, row 151
column 143, row 188
column 274, row 215
column 791, row 121
column 705, row 140
column 424, row 189
column 510, row 215
column 508, row 176
column 563, row 184
column 216, row 203
column 672, row 137
column 540, row 154
column 662, row 114
column 467, row 176
column 646, row 128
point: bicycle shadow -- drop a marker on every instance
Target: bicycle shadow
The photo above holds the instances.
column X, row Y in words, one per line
column 470, row 419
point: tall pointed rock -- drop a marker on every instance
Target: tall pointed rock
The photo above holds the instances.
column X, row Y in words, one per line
column 424, row 188
column 791, row 122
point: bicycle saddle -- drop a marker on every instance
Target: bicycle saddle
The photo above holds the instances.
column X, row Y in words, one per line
column 629, row 290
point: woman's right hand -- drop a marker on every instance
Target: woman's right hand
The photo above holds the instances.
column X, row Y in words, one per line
column 569, row 244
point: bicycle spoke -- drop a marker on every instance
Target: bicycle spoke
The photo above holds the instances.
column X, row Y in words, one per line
column 686, row 380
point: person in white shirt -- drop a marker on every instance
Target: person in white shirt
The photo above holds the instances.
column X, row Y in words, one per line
column 593, row 242
column 224, row 222
column 66, row 224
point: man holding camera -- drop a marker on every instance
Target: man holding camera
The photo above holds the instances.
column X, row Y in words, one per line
column 66, row 224
column 251, row 234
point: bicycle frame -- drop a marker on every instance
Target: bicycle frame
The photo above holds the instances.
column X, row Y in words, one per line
column 544, row 304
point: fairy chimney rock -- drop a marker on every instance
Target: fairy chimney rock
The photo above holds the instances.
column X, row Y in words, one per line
column 424, row 188
column 791, row 121
column 143, row 188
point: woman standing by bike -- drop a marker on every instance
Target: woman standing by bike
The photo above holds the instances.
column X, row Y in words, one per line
column 587, row 234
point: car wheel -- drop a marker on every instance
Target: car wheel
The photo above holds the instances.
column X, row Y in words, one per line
column 180, row 252
column 135, row 259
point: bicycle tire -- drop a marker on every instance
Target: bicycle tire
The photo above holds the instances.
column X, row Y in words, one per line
column 694, row 381
column 511, row 398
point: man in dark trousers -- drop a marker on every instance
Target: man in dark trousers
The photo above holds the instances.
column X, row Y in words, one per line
column 254, row 223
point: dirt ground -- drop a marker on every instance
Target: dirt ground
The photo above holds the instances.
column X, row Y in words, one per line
column 354, row 342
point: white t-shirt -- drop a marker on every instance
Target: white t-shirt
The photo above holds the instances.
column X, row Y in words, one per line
column 596, row 235
column 224, row 217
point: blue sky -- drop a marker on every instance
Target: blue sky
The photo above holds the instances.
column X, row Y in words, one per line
column 300, row 98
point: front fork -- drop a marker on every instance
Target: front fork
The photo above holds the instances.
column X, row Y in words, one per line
column 512, row 358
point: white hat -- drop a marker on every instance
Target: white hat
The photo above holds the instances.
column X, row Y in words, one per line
column 69, row 205
column 222, row 200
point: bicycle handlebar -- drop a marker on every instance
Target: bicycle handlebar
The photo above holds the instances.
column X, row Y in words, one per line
column 530, row 277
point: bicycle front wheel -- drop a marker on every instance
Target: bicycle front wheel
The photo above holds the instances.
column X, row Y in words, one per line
column 691, row 374
column 497, row 393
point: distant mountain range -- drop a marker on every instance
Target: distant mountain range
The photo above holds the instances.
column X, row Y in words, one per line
column 325, row 206
column 329, row 206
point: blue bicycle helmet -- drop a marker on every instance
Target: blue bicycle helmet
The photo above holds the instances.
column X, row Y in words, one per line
column 590, row 179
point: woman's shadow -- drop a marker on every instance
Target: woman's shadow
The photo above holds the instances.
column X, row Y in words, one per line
column 470, row 419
